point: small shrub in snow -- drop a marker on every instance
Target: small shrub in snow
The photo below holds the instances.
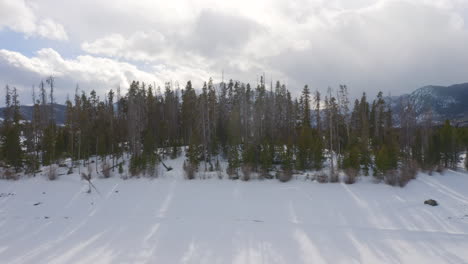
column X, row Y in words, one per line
column 321, row 177
column 52, row 172
column 153, row 171
column 334, row 177
column 31, row 164
column 136, row 166
column 190, row 170
column 285, row 175
column 391, row 177
column 246, row 172
column 8, row 174
column 232, row 173
column 267, row 175
column 407, row 173
column 106, row 169
column 175, row 152
column 218, row 170
column 351, row 175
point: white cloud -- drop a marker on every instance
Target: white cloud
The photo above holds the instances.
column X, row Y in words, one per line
column 18, row 16
column 140, row 46
column 89, row 72
column 389, row 45
column 47, row 28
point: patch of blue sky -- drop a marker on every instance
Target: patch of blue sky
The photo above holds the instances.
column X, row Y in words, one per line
column 29, row 45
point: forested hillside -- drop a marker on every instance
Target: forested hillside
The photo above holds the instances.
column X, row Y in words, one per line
column 440, row 102
column 260, row 131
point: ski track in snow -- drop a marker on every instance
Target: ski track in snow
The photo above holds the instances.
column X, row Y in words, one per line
column 171, row 220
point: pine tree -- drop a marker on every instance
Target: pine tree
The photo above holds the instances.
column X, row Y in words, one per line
column 351, row 163
column 234, row 162
column 466, row 161
column 11, row 131
column 305, row 99
column 449, row 150
column 364, row 128
column 266, row 159
column 287, row 157
column 189, row 99
column 257, row 130
column 304, row 149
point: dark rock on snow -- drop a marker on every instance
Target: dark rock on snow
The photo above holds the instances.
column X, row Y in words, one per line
column 431, row 202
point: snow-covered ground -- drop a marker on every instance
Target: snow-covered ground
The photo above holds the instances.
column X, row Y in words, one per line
column 171, row 220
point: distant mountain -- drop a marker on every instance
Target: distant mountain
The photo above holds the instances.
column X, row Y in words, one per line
column 445, row 102
column 27, row 112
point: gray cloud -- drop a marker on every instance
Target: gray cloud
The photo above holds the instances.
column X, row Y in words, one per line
column 220, row 34
column 395, row 46
column 389, row 45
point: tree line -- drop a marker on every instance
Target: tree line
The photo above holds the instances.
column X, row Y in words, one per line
column 261, row 131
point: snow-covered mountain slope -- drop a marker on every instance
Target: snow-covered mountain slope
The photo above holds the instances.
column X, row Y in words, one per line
column 171, row 220
column 443, row 102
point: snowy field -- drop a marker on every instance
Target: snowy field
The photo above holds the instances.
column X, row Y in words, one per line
column 171, row 220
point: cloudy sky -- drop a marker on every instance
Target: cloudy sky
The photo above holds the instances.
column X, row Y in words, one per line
column 389, row 45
